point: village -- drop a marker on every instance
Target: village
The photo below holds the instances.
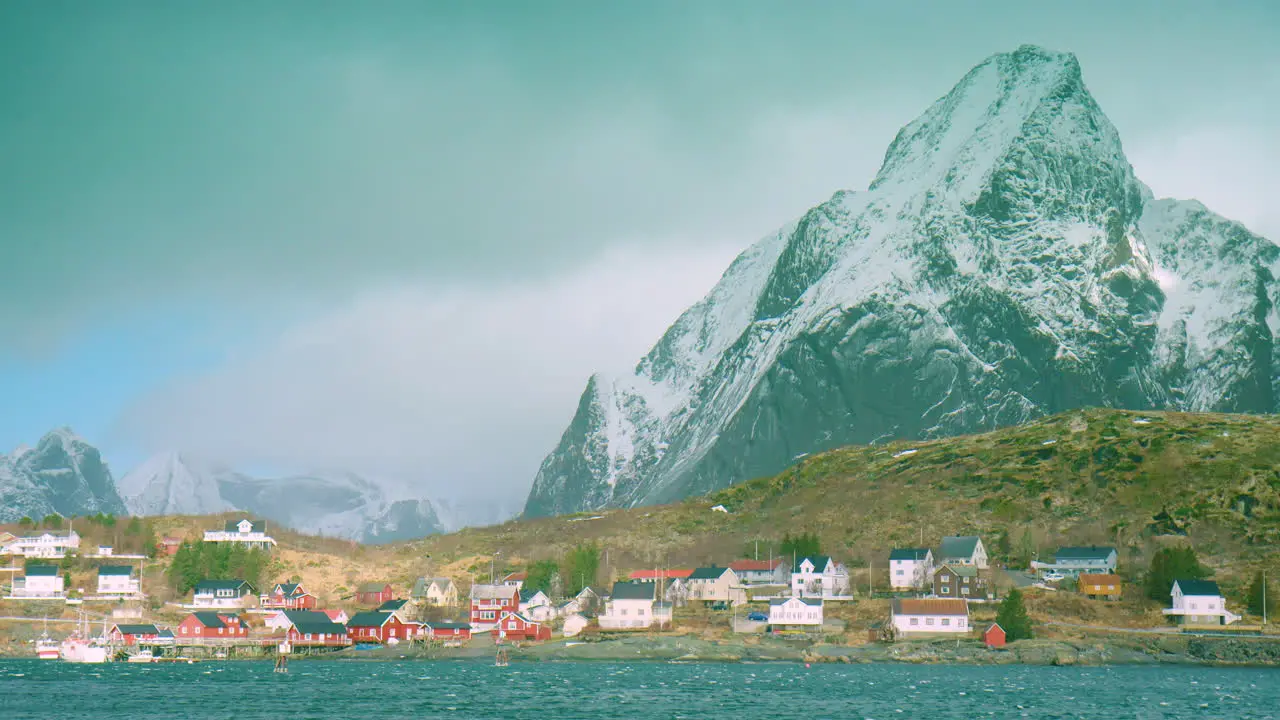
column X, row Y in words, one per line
column 952, row 590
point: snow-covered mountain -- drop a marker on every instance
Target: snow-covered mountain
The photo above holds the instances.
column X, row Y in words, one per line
column 62, row 474
column 1004, row 264
column 334, row 504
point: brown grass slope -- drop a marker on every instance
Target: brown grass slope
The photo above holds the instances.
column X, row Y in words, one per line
column 1131, row 479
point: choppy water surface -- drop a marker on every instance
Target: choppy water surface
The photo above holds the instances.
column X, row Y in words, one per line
column 249, row 690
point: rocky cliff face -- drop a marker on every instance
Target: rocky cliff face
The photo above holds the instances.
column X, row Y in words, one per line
column 1004, row 264
column 63, row 474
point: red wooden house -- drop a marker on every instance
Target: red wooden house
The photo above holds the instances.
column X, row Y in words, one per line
column 515, row 627
column 169, row 546
column 133, row 634
column 489, row 602
column 212, row 626
column 994, row 636
column 373, row 593
column 379, row 626
column 288, row 596
column 315, row 629
column 448, row 631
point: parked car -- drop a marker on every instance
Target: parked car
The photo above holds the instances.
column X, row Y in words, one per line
column 757, row 617
column 1053, row 576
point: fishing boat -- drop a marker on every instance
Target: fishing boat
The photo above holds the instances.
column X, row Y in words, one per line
column 146, row 656
column 79, row 647
column 46, row 647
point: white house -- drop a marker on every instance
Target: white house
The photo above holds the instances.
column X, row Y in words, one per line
column 223, row 594
column 285, row 619
column 45, row 545
column 910, row 568
column 630, row 606
column 535, row 605
column 435, row 591
column 574, row 624
column 1200, row 602
column 40, row 581
column 962, row 550
column 912, row 616
column 795, row 611
column 247, row 532
column 117, row 580
column 1071, row 561
column 516, row 579
column 819, row 576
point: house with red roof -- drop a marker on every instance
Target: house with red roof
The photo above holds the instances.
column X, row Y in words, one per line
column 516, row 579
column 515, row 627
column 664, row 574
column 762, row 572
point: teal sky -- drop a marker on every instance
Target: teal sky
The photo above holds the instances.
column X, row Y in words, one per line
column 388, row 235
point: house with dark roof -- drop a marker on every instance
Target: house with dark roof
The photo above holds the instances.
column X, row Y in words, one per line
column 630, row 606
column 374, row 593
column 250, row 533
column 962, row 550
column 910, row 569
column 928, row 616
column 536, row 605
column 960, row 581
column 288, row 596
column 208, row 625
column 133, row 634
column 40, row 582
column 223, row 594
column 381, row 626
column 1199, row 602
column 117, row 580
column 716, row 585
column 819, row 576
column 1071, row 561
column 308, row 628
column 447, row 630
column 514, row 627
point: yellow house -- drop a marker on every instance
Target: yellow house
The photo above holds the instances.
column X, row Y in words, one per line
column 435, row 591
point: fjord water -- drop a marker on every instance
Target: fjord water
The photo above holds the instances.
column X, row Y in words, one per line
column 550, row 691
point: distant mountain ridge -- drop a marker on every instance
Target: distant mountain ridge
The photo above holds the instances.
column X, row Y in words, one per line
column 1005, row 264
column 62, row 474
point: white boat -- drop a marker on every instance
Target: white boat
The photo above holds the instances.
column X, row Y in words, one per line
column 145, row 656
column 80, row 648
column 46, row 647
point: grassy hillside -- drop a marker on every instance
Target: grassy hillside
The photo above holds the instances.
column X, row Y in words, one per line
column 1136, row 480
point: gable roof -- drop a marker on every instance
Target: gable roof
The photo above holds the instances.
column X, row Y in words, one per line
column 529, row 595
column 41, row 570
column 669, row 574
column 707, row 573
column 819, row 562
column 635, row 590
column 290, row 589
column 909, row 553
column 812, row 602
column 1207, row 588
column 306, row 616
column 755, row 565
column 1099, row 579
column 334, row 614
column 958, row 546
column 1089, row 552
column 958, row 570
column 211, row 619
column 369, row 618
column 143, row 629
column 208, row 586
column 232, row 526
column 423, row 584
column 115, row 570
column 516, row 576
column 392, row 605
column 930, row 606
column 493, row 592
column 320, row 626
column 373, row 587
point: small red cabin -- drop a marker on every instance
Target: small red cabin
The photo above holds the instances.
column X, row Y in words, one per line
column 288, row 596
column 373, row 593
column 133, row 634
column 448, row 631
column 514, row 626
column 994, row 636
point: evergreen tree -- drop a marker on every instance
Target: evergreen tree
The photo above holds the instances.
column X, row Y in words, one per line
column 1012, row 616
column 1004, row 547
column 26, row 522
column 1169, row 564
column 1026, row 548
column 1256, row 594
column 580, row 567
column 800, row 546
column 541, row 575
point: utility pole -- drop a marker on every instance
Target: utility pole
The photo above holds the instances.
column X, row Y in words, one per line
column 1264, row 598
column 870, row 592
column 757, row 551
